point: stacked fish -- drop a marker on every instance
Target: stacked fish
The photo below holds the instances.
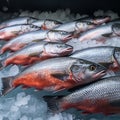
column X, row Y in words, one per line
column 46, row 60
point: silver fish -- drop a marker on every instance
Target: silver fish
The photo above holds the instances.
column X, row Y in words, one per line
column 100, row 97
column 13, row 31
column 18, row 21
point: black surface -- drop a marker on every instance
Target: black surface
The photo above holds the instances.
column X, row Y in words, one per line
column 79, row 6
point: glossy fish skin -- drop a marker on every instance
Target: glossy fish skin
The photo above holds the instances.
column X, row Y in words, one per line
column 100, row 97
column 55, row 74
column 17, row 21
column 104, row 55
column 101, row 33
column 13, row 31
column 82, row 24
column 35, row 36
column 47, row 24
column 37, row 52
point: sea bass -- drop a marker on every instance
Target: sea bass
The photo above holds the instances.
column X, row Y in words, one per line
column 83, row 24
column 100, row 97
column 47, row 24
column 13, row 31
column 101, row 33
column 36, row 36
column 55, row 74
column 37, row 52
column 17, row 21
column 105, row 55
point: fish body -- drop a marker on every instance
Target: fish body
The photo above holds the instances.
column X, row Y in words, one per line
column 17, row 21
column 47, row 24
column 101, row 33
column 100, row 97
column 36, row 36
column 37, row 52
column 55, row 74
column 13, row 31
column 104, row 55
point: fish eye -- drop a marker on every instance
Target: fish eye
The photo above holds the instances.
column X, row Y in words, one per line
column 59, row 46
column 92, row 67
column 89, row 23
column 75, row 68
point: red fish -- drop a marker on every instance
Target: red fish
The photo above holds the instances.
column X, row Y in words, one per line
column 55, row 74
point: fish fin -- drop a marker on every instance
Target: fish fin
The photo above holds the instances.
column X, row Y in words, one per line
column 107, row 35
column 7, row 85
column 53, row 103
column 58, row 88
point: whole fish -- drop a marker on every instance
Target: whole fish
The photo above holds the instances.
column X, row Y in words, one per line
column 37, row 52
column 83, row 24
column 101, row 33
column 55, row 74
column 13, row 31
column 47, row 24
column 17, row 21
column 36, row 36
column 105, row 55
column 100, row 97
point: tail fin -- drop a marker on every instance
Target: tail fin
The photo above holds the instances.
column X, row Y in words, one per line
column 53, row 103
column 7, row 85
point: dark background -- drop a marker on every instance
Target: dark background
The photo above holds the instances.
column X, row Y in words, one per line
column 76, row 6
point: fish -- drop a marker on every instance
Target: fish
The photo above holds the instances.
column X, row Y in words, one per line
column 102, row 96
column 35, row 36
column 13, row 31
column 18, row 21
column 105, row 55
column 54, row 75
column 47, row 24
column 81, row 25
column 101, row 33
column 37, row 52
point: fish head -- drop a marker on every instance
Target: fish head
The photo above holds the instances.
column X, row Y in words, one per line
column 100, row 19
column 84, row 25
column 117, row 55
column 49, row 24
column 59, row 35
column 116, row 29
column 58, row 49
column 84, row 71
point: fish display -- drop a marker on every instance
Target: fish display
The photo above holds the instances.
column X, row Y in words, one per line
column 36, row 36
column 55, row 74
column 105, row 55
column 54, row 59
column 13, row 31
column 100, row 97
column 37, row 52
column 18, row 21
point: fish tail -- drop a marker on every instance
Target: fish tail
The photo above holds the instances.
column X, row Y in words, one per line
column 53, row 103
column 6, row 85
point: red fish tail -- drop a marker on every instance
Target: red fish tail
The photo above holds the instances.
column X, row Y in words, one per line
column 53, row 103
column 7, row 85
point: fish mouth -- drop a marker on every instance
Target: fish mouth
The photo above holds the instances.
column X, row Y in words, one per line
column 68, row 38
column 67, row 51
column 99, row 74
